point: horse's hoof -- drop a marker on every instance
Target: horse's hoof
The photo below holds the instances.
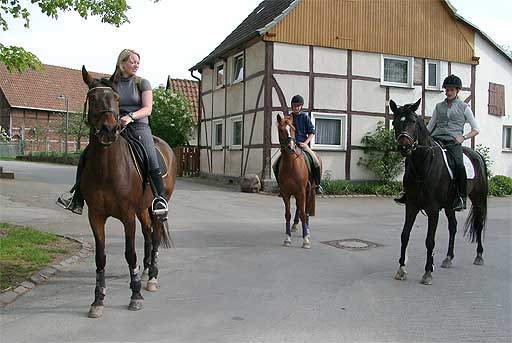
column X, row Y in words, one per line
column 135, row 304
column 152, row 285
column 447, row 263
column 287, row 241
column 294, row 227
column 95, row 311
column 426, row 279
column 401, row 274
column 307, row 243
column 479, row 261
column 145, row 275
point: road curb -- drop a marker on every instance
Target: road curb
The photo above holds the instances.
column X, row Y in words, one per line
column 42, row 276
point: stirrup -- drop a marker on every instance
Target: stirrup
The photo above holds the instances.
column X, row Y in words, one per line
column 63, row 201
column 319, row 189
column 161, row 212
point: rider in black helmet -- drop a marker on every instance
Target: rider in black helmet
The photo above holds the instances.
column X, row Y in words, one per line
column 304, row 133
column 447, row 126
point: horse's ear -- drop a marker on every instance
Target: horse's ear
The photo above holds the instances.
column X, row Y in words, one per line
column 279, row 119
column 415, row 106
column 87, row 78
column 393, row 106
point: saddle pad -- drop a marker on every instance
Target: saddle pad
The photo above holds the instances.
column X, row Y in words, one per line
column 470, row 170
column 162, row 162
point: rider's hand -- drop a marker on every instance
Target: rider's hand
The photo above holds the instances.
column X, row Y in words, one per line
column 125, row 120
column 459, row 139
column 302, row 144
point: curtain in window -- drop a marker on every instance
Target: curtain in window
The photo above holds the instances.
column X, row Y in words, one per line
column 220, row 75
column 237, row 133
column 432, row 75
column 507, row 137
column 395, row 70
column 239, row 68
column 328, row 131
column 218, row 134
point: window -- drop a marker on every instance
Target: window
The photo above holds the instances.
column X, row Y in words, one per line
column 217, row 133
column 496, row 103
column 432, row 75
column 507, row 138
column 330, row 131
column 219, row 71
column 396, row 71
column 238, row 68
column 236, row 132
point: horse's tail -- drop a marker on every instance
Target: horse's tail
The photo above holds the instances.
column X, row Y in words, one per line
column 475, row 224
column 167, row 240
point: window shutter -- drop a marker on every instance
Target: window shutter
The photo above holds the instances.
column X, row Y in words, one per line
column 496, row 103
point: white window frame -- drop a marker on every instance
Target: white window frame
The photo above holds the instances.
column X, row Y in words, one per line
column 235, row 58
column 215, row 74
column 214, row 134
column 503, row 147
column 233, row 121
column 343, row 130
column 437, row 87
column 410, row 71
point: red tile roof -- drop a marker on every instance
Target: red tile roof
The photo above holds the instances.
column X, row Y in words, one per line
column 39, row 90
column 188, row 88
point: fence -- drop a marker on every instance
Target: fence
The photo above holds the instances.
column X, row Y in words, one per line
column 9, row 149
column 188, row 160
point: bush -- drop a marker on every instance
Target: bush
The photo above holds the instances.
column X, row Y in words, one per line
column 340, row 187
column 381, row 154
column 485, row 152
column 500, row 186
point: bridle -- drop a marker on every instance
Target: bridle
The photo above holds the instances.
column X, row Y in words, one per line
column 103, row 111
column 286, row 146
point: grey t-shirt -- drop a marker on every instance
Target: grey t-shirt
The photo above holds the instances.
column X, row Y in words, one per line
column 129, row 95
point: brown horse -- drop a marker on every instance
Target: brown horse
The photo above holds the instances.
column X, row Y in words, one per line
column 112, row 187
column 293, row 180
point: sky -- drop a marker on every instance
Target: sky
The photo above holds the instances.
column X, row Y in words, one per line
column 173, row 35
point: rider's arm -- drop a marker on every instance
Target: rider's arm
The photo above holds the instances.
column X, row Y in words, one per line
column 147, row 105
column 311, row 130
column 433, row 120
column 470, row 118
column 309, row 139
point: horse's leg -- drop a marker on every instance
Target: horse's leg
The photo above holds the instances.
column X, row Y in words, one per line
column 287, row 215
column 131, row 258
column 306, row 244
column 98, row 228
column 156, row 237
column 296, row 219
column 410, row 216
column 430, row 242
column 452, row 228
column 145, row 222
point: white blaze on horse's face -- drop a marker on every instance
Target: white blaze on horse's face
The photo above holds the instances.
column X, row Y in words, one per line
column 402, row 119
column 291, row 142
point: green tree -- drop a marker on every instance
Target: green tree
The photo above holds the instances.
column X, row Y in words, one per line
column 4, row 136
column 16, row 58
column 381, row 155
column 171, row 117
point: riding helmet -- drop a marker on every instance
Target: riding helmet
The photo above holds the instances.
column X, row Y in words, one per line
column 297, row 99
column 452, row 80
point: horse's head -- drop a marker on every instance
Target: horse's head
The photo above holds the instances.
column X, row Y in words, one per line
column 103, row 114
column 405, row 125
column 286, row 132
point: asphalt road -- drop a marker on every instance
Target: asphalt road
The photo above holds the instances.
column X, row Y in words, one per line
column 230, row 280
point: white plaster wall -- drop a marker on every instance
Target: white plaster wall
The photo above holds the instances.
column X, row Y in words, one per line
column 329, row 61
column 257, row 137
column 235, row 98
column 431, row 99
column 218, row 161
column 359, row 173
column 365, row 64
column 207, row 103
column 255, row 58
column 255, row 163
column 274, row 155
column 493, row 67
column 233, row 161
column 368, row 96
column 404, row 96
column 330, row 93
column 218, row 102
column 206, row 79
column 334, row 162
column 205, row 132
column 291, row 85
column 291, row 57
column 252, row 87
column 463, row 71
column 203, row 162
column 361, row 126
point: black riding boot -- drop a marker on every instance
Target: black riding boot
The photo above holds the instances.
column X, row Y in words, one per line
column 460, row 201
column 75, row 204
column 401, row 199
column 159, row 206
column 318, row 180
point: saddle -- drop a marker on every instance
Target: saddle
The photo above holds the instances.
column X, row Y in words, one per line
column 310, row 164
column 140, row 157
column 450, row 163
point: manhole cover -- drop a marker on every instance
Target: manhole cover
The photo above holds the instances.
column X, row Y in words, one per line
column 352, row 244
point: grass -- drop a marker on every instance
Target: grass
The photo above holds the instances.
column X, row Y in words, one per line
column 24, row 250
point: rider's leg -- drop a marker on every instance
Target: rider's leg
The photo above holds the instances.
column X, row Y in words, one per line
column 317, row 168
column 76, row 203
column 455, row 151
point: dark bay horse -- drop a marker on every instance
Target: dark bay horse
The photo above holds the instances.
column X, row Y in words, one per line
column 112, row 187
column 293, row 180
column 428, row 187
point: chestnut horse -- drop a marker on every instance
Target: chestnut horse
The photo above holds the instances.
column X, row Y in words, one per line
column 293, row 180
column 112, row 187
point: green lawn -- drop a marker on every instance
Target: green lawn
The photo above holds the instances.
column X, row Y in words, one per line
column 24, row 250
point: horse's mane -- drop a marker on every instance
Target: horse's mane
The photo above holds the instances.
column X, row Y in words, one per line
column 424, row 137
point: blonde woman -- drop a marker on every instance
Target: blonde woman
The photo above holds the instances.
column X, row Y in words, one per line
column 135, row 105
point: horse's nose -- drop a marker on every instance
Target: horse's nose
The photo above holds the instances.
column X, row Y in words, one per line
column 108, row 128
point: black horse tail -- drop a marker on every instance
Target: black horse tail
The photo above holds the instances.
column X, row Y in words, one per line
column 475, row 224
column 167, row 240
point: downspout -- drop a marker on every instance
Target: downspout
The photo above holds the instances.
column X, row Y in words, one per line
column 199, row 114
